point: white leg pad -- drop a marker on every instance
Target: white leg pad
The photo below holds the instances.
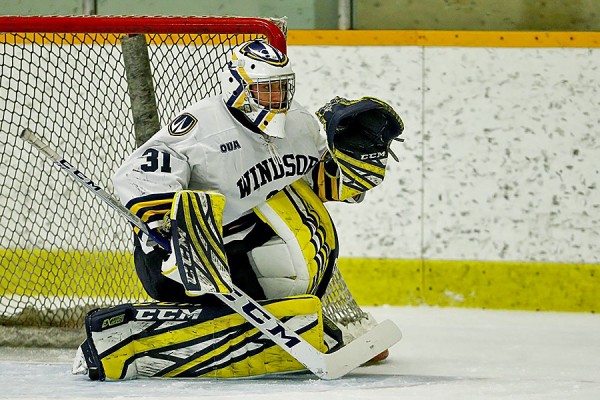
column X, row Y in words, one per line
column 278, row 272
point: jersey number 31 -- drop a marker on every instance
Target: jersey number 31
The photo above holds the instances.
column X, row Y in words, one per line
column 153, row 162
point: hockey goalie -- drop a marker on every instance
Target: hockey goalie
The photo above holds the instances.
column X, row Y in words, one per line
column 235, row 188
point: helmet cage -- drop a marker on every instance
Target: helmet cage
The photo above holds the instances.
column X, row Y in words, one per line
column 274, row 94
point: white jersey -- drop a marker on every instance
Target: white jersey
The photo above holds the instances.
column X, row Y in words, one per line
column 206, row 148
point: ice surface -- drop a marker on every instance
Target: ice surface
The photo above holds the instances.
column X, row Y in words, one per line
column 446, row 353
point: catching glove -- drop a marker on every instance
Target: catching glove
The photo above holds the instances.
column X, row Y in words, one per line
column 359, row 136
column 367, row 126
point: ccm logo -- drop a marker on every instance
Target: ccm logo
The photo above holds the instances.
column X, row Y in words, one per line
column 167, row 314
column 262, row 318
column 372, row 156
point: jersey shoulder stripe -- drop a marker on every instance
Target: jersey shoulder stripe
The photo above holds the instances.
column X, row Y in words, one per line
column 152, row 207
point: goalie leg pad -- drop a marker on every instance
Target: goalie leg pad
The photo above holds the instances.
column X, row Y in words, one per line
column 299, row 260
column 183, row 340
column 278, row 273
column 196, row 227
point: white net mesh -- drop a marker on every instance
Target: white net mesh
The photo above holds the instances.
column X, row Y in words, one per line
column 62, row 252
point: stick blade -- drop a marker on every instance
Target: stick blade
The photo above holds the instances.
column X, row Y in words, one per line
column 362, row 349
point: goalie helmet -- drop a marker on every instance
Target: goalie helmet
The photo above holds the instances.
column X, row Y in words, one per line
column 259, row 81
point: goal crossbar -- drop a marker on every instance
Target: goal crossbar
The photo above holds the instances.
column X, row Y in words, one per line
column 141, row 24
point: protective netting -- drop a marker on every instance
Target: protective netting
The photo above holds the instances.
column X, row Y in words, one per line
column 62, row 251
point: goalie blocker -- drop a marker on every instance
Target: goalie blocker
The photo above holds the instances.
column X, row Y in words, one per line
column 197, row 230
column 192, row 341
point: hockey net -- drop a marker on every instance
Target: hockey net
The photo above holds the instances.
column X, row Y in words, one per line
column 83, row 84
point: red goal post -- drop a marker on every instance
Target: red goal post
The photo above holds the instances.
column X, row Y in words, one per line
column 273, row 29
column 95, row 87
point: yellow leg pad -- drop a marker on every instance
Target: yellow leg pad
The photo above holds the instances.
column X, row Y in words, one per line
column 192, row 341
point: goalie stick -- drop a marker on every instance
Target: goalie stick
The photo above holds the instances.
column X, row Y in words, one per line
column 325, row 366
column 87, row 183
